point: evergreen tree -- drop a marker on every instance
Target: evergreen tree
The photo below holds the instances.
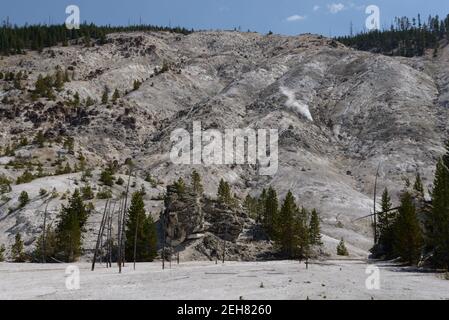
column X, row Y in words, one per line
column 2, row 253
column 418, row 186
column 438, row 220
column 385, row 224
column 76, row 100
column 224, row 193
column 287, row 226
column 115, row 96
column 271, row 212
column 146, row 236
column 408, row 238
column 180, row 186
column 261, row 205
column 72, row 220
column 23, row 199
column 107, row 178
column 341, row 248
column 197, row 186
column 50, row 246
column 302, row 233
column 136, row 85
column 315, row 229
column 250, row 205
column 39, row 139
column 17, row 249
column 105, row 96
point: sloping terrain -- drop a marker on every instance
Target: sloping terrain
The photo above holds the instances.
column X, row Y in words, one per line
column 340, row 113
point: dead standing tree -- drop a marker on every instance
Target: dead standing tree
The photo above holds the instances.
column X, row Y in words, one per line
column 44, row 232
column 122, row 225
column 100, row 234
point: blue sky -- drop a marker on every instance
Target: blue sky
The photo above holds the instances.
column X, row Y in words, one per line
column 327, row 17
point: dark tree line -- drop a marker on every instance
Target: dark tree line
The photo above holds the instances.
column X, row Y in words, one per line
column 15, row 39
column 418, row 231
column 406, row 37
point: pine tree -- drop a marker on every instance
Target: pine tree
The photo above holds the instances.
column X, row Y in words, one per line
column 261, row 205
column 23, row 199
column 136, row 85
column 438, row 220
column 197, row 186
column 418, row 186
column 2, row 252
column 341, row 248
column 17, row 249
column 315, row 229
column 180, row 186
column 140, row 232
column 72, row 220
column 287, row 226
column 39, row 139
column 385, row 224
column 271, row 212
column 50, row 245
column 107, row 178
column 250, row 205
column 115, row 96
column 105, row 96
column 224, row 193
column 76, row 100
column 408, row 238
column 302, row 233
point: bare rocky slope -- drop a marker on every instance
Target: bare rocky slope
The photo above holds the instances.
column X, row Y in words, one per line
column 339, row 113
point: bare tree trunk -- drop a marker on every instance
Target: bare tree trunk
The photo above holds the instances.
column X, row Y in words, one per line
column 118, row 235
column 224, row 244
column 111, row 216
column 100, row 234
column 123, row 222
column 163, row 241
column 135, row 241
column 375, row 214
column 44, row 234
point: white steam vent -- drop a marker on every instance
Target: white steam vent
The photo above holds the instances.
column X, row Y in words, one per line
column 296, row 105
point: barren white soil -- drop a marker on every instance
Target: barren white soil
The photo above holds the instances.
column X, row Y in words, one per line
column 334, row 279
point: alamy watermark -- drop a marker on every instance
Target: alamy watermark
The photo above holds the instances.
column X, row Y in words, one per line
column 74, row 18
column 372, row 282
column 213, row 147
column 72, row 280
column 372, row 22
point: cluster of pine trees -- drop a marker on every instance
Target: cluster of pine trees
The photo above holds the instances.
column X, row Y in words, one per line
column 418, row 231
column 16, row 39
column 406, row 37
column 295, row 230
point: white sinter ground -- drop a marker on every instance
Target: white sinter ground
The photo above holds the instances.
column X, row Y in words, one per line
column 334, row 279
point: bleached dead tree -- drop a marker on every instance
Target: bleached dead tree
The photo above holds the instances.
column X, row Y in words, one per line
column 100, row 234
